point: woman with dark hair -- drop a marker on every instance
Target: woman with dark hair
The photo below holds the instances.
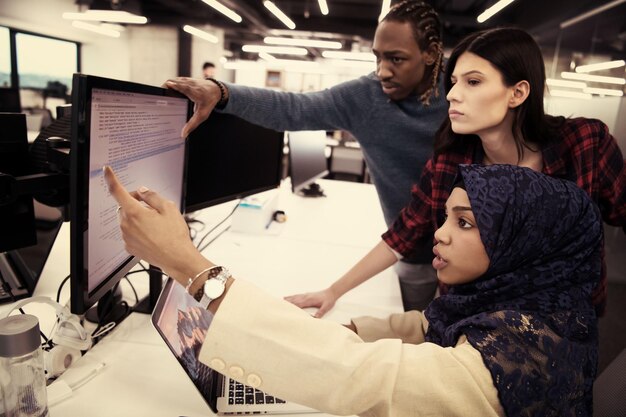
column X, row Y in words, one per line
column 495, row 82
column 516, row 335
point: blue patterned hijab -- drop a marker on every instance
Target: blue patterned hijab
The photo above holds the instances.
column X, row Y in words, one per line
column 530, row 315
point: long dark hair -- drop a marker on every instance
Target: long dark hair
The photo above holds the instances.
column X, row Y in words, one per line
column 518, row 57
column 426, row 29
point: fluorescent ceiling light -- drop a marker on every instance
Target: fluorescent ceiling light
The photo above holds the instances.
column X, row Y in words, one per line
column 289, row 50
column 493, row 10
column 564, row 83
column 223, row 10
column 593, row 78
column 266, row 56
column 590, row 13
column 570, row 94
column 604, row 92
column 279, row 14
column 323, row 7
column 601, row 66
column 200, row 33
column 115, row 16
column 96, row 29
column 272, row 40
column 384, row 9
column 358, row 56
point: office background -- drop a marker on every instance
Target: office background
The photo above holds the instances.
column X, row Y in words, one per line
column 571, row 34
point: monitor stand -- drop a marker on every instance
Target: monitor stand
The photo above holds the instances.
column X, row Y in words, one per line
column 109, row 307
column 313, row 190
column 146, row 304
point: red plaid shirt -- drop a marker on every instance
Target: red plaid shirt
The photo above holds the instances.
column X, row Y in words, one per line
column 586, row 154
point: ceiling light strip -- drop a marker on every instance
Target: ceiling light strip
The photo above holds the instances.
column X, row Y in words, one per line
column 323, row 7
column 287, row 50
column 96, row 29
column 115, row 16
column 279, row 14
column 224, row 10
column 200, row 34
column 601, row 66
column 564, row 83
column 570, row 94
column 590, row 13
column 593, row 78
column 384, row 9
column 313, row 43
column 604, row 92
column 489, row 12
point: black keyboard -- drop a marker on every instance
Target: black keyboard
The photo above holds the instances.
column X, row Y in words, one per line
column 239, row 393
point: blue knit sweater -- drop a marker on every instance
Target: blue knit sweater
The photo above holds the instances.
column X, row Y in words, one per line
column 396, row 137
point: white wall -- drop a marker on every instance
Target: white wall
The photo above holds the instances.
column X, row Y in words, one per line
column 203, row 51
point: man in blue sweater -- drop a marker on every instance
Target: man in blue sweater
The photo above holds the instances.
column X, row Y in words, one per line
column 393, row 113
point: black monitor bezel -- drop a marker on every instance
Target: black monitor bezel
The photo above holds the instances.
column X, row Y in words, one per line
column 82, row 86
column 233, row 121
column 15, row 92
column 295, row 188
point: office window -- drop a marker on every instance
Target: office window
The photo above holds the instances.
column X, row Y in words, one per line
column 5, row 58
column 42, row 60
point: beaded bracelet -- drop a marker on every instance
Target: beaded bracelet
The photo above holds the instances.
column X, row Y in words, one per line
column 222, row 103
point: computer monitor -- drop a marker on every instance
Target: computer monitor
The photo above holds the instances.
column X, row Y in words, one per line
column 307, row 161
column 135, row 129
column 231, row 158
column 10, row 100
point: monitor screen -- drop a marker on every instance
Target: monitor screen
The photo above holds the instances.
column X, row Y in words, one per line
column 307, row 158
column 10, row 100
column 230, row 158
column 135, row 129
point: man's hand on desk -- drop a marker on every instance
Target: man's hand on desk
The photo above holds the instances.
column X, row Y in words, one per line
column 324, row 300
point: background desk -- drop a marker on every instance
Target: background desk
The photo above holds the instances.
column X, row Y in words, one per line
column 322, row 238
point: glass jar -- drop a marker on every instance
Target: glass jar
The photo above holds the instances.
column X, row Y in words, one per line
column 22, row 377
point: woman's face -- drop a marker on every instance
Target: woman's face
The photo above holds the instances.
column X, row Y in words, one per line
column 479, row 99
column 460, row 255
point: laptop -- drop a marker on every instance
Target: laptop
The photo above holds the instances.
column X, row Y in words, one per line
column 183, row 323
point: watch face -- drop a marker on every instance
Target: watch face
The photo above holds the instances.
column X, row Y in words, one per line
column 213, row 288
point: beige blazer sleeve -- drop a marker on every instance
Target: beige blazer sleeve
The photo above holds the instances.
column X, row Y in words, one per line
column 270, row 344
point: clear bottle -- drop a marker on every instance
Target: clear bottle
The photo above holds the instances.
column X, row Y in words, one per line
column 22, row 377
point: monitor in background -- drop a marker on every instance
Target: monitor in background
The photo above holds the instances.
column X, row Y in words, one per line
column 10, row 100
column 307, row 161
column 135, row 129
column 231, row 158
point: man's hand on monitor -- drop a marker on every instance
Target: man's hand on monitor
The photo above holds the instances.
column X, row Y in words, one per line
column 205, row 95
column 154, row 230
column 324, row 300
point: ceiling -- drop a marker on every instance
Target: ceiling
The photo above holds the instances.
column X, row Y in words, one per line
column 355, row 20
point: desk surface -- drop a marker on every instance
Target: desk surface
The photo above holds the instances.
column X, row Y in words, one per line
column 322, row 238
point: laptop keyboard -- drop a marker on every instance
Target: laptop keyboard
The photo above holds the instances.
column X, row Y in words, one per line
column 239, row 393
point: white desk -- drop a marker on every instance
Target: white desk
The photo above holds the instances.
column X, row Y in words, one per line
column 321, row 239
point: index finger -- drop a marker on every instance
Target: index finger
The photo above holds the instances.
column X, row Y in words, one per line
column 117, row 190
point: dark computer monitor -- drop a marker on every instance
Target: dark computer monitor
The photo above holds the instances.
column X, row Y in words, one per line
column 135, row 129
column 307, row 161
column 10, row 100
column 231, row 158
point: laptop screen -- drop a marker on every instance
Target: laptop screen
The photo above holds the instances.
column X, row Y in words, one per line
column 183, row 324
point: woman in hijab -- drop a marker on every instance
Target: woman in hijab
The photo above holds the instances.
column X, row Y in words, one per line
column 516, row 334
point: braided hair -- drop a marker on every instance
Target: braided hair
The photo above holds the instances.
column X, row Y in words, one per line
column 426, row 31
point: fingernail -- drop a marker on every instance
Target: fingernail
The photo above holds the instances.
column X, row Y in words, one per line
column 143, row 189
